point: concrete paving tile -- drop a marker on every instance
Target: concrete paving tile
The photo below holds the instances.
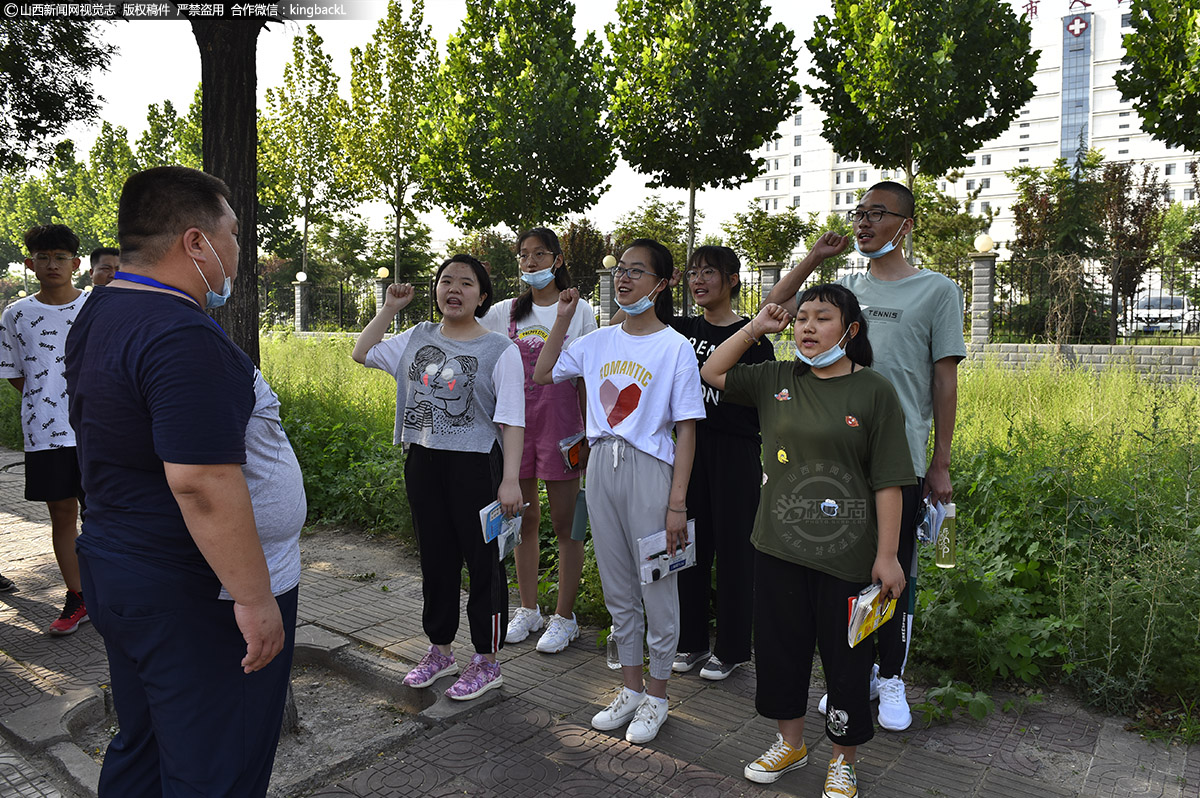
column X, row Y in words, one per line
column 573, row 745
column 999, row 784
column 515, row 719
column 588, row 785
column 698, row 782
column 517, row 771
column 634, row 765
column 1110, row 778
column 566, row 693
column 925, row 773
column 684, row 739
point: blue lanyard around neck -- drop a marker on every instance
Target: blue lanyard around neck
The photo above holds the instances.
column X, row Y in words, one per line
column 150, row 281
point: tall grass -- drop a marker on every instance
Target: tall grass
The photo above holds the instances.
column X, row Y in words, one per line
column 339, row 417
column 1078, row 535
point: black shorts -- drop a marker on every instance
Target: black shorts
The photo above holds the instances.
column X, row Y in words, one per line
column 52, row 475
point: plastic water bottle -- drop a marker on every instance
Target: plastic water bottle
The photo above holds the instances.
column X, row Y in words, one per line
column 614, row 659
column 946, row 550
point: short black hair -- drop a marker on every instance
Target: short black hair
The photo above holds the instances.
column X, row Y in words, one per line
column 723, row 259
column 158, row 205
column 858, row 347
column 906, row 204
column 46, row 237
column 481, row 275
column 100, row 252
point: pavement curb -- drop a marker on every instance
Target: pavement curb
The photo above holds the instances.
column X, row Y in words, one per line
column 45, row 729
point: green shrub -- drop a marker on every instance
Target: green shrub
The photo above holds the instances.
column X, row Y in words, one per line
column 1077, row 535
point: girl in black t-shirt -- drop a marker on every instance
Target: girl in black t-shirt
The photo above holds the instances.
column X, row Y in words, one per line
column 726, row 478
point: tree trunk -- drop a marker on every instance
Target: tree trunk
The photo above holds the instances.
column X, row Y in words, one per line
column 1112, row 303
column 396, row 243
column 229, row 114
column 691, row 243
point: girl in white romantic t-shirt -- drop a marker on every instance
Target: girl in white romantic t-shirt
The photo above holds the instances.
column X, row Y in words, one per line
column 552, row 413
column 641, row 382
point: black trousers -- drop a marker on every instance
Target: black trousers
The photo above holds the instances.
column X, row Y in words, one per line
column 796, row 607
column 894, row 637
column 446, row 491
column 723, row 498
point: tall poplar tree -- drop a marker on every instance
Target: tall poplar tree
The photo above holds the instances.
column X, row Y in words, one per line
column 917, row 85
column 696, row 87
column 303, row 124
column 390, row 82
column 514, row 135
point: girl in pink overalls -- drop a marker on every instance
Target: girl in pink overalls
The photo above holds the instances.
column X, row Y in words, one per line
column 552, row 413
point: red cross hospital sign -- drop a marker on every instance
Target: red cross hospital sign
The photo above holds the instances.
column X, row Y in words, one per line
column 1077, row 26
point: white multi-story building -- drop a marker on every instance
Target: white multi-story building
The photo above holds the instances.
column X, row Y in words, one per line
column 1076, row 96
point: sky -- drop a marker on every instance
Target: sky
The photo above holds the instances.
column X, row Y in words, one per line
column 155, row 61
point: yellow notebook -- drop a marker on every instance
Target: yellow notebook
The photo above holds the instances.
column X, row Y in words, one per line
column 868, row 613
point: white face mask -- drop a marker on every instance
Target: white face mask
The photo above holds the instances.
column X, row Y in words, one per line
column 640, row 306
column 211, row 298
column 885, row 249
column 826, row 358
column 538, row 279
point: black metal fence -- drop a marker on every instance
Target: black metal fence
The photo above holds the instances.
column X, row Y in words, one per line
column 1063, row 299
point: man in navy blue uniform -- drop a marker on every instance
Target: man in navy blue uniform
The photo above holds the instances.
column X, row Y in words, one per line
column 189, row 553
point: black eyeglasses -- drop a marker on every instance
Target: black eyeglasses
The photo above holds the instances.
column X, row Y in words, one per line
column 633, row 274
column 875, row 215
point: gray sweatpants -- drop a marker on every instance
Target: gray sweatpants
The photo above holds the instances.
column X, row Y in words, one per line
column 627, row 499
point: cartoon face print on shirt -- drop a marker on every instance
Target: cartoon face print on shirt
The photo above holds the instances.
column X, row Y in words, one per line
column 443, row 388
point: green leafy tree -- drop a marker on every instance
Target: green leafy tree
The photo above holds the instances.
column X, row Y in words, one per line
column 1056, row 216
column 514, row 135
column 655, row 218
column 828, row 270
column 1162, row 73
column 1171, row 248
column 763, row 237
column 390, row 81
column 945, row 232
column 492, row 247
column 696, row 88
column 917, row 84
column 1131, row 219
column 92, row 210
column 302, row 144
column 47, row 84
column 584, row 248
column 170, row 139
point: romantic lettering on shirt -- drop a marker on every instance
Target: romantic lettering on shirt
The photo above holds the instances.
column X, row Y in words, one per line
column 629, row 369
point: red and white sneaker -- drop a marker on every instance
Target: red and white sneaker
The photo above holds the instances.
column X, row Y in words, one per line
column 74, row 613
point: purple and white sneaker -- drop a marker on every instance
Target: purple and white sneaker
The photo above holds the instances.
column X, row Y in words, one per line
column 479, row 677
column 432, row 667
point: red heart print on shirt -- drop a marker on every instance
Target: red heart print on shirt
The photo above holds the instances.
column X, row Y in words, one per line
column 618, row 404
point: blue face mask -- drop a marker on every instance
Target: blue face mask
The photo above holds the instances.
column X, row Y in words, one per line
column 538, row 279
column 641, row 306
column 826, row 358
column 879, row 253
column 211, row 298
